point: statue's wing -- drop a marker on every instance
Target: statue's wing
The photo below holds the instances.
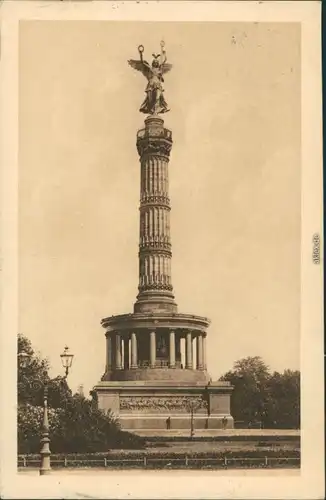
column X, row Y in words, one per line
column 165, row 67
column 142, row 66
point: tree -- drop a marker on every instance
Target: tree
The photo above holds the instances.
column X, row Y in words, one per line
column 29, row 424
column 31, row 377
column 258, row 395
column 86, row 429
column 249, row 378
column 59, row 393
column 252, row 366
column 284, row 401
column 76, row 425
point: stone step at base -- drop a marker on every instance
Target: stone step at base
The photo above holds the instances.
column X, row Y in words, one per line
column 226, row 434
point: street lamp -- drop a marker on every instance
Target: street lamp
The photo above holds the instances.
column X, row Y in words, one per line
column 45, row 467
column 192, row 406
column 192, row 430
column 23, row 360
column 66, row 359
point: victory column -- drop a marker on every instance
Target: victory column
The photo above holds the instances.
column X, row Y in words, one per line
column 147, row 383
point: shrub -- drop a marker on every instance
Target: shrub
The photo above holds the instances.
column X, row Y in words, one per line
column 75, row 424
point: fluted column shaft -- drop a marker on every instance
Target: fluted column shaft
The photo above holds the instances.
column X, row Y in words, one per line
column 154, row 235
column 189, row 350
column 152, row 337
column 172, row 349
column 154, row 144
column 134, row 360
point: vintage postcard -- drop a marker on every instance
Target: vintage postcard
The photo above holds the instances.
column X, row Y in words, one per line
column 162, row 322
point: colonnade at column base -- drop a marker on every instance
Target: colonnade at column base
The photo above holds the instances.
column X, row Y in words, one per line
column 156, row 377
column 150, row 341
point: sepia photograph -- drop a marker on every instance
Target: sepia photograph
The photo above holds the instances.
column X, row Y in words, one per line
column 162, row 248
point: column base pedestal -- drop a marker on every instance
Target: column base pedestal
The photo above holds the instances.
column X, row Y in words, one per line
column 154, row 302
column 164, row 405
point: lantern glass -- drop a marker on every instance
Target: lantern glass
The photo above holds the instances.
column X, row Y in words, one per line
column 23, row 359
column 66, row 358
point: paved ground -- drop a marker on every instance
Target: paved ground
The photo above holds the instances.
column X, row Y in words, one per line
column 133, row 472
column 227, row 433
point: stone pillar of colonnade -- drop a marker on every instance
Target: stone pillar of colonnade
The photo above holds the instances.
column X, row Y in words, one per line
column 134, row 357
column 189, row 364
column 126, row 352
column 152, row 348
column 204, row 351
column 172, row 349
column 118, row 353
column 109, row 354
column 200, row 360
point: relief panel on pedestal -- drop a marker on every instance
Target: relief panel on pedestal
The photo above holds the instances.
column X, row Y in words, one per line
column 158, row 404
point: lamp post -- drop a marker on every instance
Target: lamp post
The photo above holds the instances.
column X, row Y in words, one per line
column 66, row 359
column 192, row 431
column 192, row 406
column 45, row 467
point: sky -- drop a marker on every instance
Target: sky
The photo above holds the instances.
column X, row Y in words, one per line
column 234, row 95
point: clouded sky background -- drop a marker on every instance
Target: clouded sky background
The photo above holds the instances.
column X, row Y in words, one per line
column 234, row 94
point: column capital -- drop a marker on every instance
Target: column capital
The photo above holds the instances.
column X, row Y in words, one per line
column 150, row 144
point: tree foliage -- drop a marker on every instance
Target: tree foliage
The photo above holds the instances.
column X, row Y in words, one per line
column 259, row 396
column 283, row 409
column 76, row 425
column 30, row 423
column 32, row 375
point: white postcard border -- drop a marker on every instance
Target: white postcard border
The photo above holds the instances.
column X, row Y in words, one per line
column 195, row 484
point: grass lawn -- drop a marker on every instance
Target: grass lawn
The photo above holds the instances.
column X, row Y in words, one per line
column 211, row 446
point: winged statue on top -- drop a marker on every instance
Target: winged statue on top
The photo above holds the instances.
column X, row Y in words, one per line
column 154, row 102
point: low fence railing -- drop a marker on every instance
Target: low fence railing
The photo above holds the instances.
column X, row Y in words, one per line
column 159, row 462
